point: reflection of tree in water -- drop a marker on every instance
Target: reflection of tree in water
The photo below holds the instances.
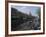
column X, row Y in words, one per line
column 21, row 21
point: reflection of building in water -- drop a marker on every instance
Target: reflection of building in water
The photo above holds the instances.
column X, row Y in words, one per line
column 36, row 23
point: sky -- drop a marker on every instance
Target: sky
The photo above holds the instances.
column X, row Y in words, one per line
column 27, row 9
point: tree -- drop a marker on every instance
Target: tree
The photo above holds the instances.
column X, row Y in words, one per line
column 38, row 12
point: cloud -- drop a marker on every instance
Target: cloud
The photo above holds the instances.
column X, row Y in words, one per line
column 23, row 7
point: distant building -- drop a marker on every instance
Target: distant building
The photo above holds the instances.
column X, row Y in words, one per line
column 30, row 13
